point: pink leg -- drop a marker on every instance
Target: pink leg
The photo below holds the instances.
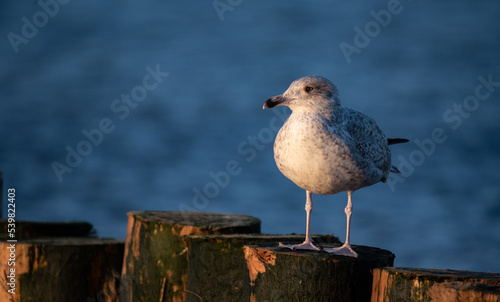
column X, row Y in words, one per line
column 307, row 244
column 346, row 249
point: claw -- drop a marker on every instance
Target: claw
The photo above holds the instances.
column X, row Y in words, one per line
column 345, row 250
column 302, row 246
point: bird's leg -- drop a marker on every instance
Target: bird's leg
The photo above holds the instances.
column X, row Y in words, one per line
column 346, row 249
column 308, row 243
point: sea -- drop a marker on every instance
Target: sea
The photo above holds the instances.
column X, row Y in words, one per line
column 108, row 107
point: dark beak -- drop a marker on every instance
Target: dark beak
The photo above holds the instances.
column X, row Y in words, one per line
column 276, row 101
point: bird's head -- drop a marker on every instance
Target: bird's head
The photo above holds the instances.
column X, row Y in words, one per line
column 307, row 94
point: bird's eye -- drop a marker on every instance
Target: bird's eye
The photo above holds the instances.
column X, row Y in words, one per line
column 309, row 89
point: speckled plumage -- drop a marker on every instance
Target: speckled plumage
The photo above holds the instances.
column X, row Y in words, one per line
column 325, row 148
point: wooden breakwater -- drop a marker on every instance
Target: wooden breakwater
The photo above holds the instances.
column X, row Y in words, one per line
column 198, row 256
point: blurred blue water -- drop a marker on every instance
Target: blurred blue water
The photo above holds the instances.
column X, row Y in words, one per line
column 207, row 113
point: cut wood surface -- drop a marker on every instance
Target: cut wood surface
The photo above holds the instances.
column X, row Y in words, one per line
column 418, row 284
column 33, row 229
column 217, row 269
column 62, row 269
column 277, row 274
column 155, row 261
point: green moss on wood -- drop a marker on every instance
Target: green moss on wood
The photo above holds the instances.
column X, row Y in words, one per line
column 156, row 252
column 67, row 269
column 314, row 276
column 414, row 284
column 217, row 269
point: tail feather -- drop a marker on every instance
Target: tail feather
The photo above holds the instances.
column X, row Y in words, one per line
column 393, row 141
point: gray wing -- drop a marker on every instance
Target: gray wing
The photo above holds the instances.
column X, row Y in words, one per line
column 369, row 141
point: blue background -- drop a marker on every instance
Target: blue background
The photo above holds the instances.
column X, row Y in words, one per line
column 443, row 212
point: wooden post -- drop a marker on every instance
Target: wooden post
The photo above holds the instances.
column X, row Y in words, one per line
column 217, row 267
column 60, row 269
column 418, row 284
column 276, row 274
column 155, row 261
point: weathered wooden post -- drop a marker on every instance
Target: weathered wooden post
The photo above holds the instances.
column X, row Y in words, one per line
column 277, row 274
column 156, row 254
column 60, row 269
column 217, row 269
column 418, row 284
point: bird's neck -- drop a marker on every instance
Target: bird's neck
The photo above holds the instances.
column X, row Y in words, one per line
column 329, row 114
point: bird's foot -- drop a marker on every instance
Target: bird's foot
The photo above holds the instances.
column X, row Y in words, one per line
column 344, row 250
column 303, row 246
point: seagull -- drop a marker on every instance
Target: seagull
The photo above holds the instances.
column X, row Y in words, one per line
column 325, row 148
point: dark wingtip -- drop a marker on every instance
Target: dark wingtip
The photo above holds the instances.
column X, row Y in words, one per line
column 394, row 169
column 393, row 141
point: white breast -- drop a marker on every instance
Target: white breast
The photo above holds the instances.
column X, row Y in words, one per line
column 319, row 158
